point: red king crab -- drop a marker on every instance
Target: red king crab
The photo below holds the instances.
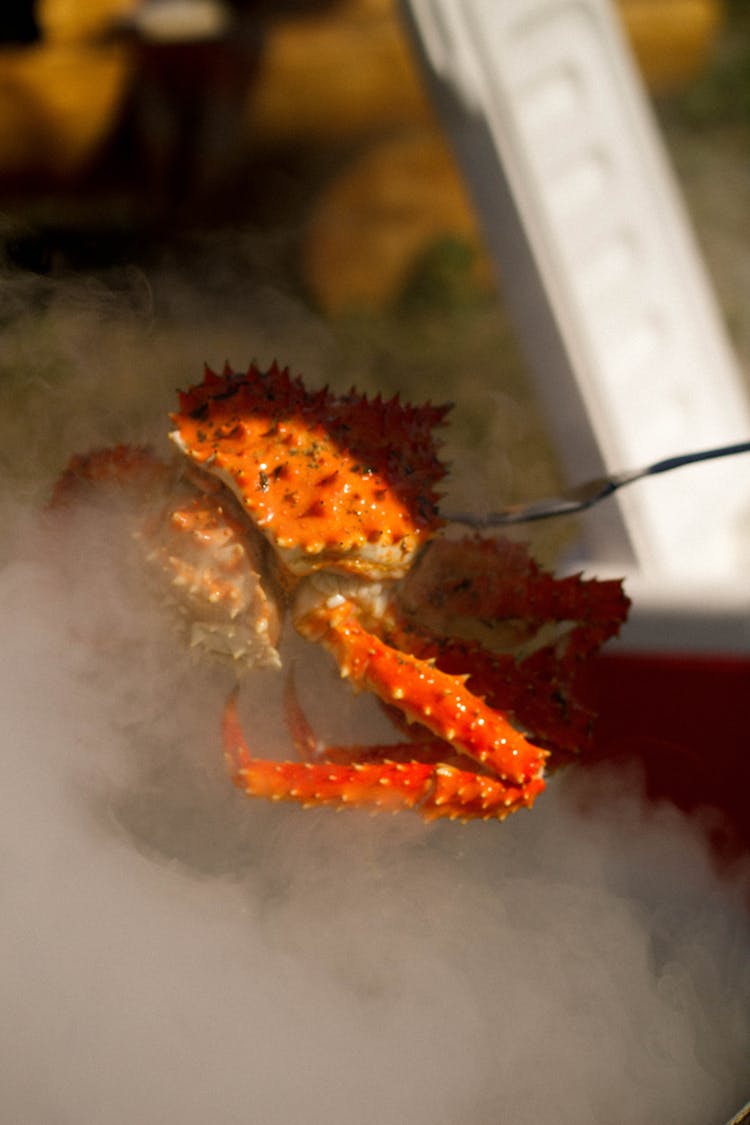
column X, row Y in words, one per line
column 289, row 500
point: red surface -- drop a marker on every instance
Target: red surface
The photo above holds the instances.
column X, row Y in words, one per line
column 686, row 718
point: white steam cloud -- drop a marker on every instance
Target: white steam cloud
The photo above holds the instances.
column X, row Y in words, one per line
column 172, row 952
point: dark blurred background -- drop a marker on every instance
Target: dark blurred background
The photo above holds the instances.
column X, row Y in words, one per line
column 125, row 124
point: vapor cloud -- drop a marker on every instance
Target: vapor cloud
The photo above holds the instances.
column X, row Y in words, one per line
column 172, row 952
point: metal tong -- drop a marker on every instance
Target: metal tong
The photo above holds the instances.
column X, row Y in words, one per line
column 583, row 496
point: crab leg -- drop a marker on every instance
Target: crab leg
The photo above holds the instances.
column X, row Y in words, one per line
column 467, row 593
column 434, row 788
column 496, row 580
column 535, row 690
column 439, row 701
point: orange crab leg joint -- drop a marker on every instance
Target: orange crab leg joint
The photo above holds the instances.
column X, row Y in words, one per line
column 424, row 694
column 434, row 789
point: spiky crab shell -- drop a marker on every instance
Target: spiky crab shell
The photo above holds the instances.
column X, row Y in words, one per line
column 342, row 483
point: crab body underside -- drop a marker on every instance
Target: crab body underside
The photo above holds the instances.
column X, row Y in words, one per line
column 324, row 508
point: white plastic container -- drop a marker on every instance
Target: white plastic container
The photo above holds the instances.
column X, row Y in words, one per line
column 600, row 270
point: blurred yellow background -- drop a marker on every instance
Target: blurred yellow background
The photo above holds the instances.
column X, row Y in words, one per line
column 339, row 73
column 166, row 121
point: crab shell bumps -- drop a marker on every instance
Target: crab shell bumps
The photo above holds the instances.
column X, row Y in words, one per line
column 333, row 483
